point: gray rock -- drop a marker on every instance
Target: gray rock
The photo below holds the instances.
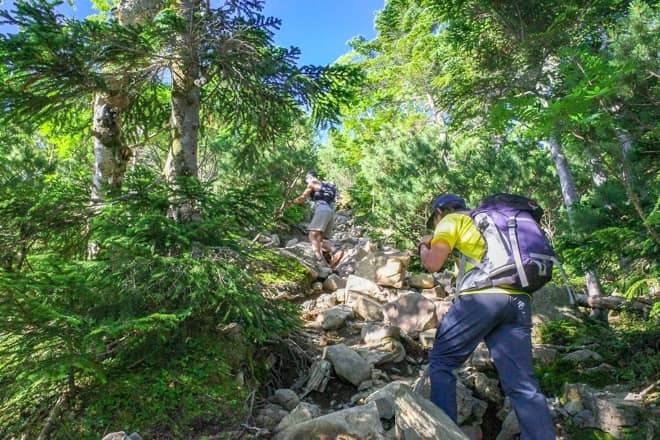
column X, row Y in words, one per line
column 326, row 300
column 392, row 273
column 419, row 419
column 437, row 292
column 544, row 355
column 121, row 435
column 602, row 368
column 551, row 303
column 573, row 407
column 485, row 388
column 391, row 264
column 384, row 399
column 510, row 427
column 389, row 351
column 308, row 305
column 334, row 282
column 348, row 365
column 609, row 412
column 365, row 306
column 301, row 413
column 480, row 359
column 421, row 281
column 470, row 409
column 270, row 416
column 441, row 308
column 376, row 333
column 582, row 356
column 286, row 398
column 427, row 337
column 362, row 285
column 473, row 432
column 334, row 317
column 360, row 422
column 413, row 313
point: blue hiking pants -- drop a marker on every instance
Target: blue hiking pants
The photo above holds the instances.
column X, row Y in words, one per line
column 505, row 323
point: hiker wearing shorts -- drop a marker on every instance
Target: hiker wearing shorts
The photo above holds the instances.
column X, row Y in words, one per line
column 500, row 316
column 320, row 227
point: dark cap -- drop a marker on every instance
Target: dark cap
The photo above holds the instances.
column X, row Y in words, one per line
column 442, row 201
column 311, row 174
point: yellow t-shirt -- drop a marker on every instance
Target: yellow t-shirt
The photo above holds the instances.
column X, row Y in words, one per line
column 460, row 232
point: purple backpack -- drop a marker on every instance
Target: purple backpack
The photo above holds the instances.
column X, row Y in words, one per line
column 518, row 254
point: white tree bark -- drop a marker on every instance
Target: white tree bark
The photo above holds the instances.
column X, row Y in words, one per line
column 111, row 154
column 569, row 194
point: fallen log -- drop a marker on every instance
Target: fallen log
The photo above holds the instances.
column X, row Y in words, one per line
column 611, row 303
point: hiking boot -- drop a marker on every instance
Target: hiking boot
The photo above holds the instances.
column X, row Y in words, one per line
column 336, row 258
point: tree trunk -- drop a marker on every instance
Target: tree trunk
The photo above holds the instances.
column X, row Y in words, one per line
column 111, row 154
column 626, row 175
column 185, row 100
column 569, row 194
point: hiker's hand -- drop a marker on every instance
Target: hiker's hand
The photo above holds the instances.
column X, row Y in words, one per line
column 425, row 241
column 288, row 203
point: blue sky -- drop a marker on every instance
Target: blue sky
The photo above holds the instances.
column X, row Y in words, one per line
column 320, row 28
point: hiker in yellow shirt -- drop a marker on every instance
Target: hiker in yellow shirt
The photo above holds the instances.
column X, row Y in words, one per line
column 502, row 317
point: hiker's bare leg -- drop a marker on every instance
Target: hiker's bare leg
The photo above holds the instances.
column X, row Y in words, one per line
column 316, row 240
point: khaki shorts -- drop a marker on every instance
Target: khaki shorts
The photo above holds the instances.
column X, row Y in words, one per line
column 322, row 221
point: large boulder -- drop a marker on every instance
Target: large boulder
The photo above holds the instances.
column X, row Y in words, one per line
column 421, row 281
column 392, row 273
column 334, row 317
column 362, row 285
column 614, row 413
column 385, row 352
column 384, row 398
column 348, row 364
column 301, row 413
column 376, row 333
column 360, row 422
column 365, row 306
column 412, row 313
column 386, row 268
column 470, row 409
column 551, row 303
column 419, row 419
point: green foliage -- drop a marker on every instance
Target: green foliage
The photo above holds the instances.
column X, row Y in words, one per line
column 630, row 345
column 142, row 303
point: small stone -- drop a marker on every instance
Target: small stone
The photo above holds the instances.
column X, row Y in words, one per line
column 286, row 398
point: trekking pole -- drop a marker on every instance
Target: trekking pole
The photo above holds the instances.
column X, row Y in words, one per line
column 571, row 295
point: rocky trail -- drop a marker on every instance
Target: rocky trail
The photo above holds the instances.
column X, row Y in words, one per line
column 359, row 368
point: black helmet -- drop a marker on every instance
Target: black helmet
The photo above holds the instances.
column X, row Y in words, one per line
column 442, row 201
